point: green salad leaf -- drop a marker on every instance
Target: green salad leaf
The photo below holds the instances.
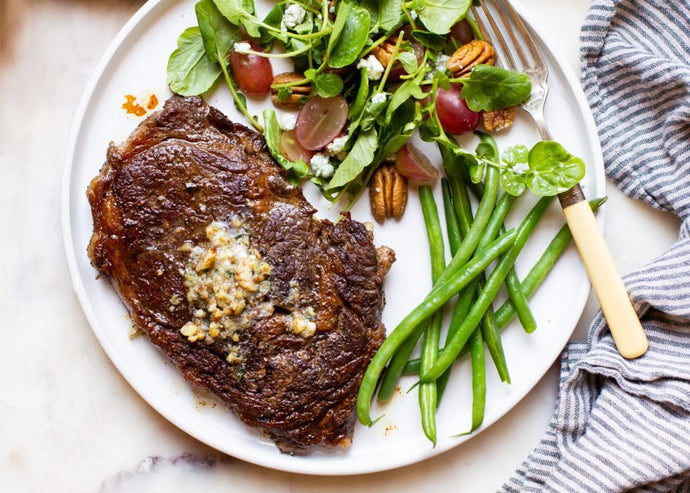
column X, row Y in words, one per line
column 325, row 85
column 217, row 33
column 240, row 12
column 296, row 169
column 494, row 88
column 552, row 169
column 361, row 155
column 353, row 36
column 439, row 16
column 190, row 72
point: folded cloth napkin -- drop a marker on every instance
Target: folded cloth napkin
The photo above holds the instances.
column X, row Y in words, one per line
column 624, row 425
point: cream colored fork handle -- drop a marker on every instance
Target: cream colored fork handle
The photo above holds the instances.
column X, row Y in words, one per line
column 614, row 300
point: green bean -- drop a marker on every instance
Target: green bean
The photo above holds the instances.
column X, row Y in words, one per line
column 428, row 391
column 461, row 204
column 453, row 209
column 397, row 364
column 493, row 226
column 394, row 370
column 530, row 283
column 519, row 302
column 462, row 307
column 439, row 295
column 471, row 240
column 491, row 334
column 478, row 380
column 452, row 227
column 487, row 294
column 512, row 282
column 542, row 267
column 490, row 331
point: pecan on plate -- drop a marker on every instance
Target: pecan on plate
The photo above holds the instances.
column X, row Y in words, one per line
column 497, row 120
column 470, row 55
column 296, row 94
column 387, row 193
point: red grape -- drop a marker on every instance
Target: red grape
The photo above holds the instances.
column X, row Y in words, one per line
column 253, row 73
column 413, row 164
column 453, row 113
column 292, row 149
column 320, row 121
column 462, row 32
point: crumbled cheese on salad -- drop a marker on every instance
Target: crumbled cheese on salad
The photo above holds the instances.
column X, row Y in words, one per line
column 373, row 66
column 337, row 145
column 379, row 97
column 287, row 121
column 294, row 15
column 441, row 61
column 321, row 165
column 242, row 47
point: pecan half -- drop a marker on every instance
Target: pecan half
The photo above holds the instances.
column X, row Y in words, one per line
column 469, row 55
column 384, row 51
column 387, row 193
column 497, row 120
column 297, row 93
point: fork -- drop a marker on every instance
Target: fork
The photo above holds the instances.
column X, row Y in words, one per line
column 518, row 51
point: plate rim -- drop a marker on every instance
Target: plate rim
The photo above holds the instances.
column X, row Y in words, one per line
column 139, row 386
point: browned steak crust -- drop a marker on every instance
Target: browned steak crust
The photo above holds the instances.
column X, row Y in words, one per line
column 187, row 166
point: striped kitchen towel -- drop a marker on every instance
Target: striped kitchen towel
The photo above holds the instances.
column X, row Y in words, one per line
column 624, row 425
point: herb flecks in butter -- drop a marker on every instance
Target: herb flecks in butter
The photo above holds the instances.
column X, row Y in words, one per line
column 227, row 282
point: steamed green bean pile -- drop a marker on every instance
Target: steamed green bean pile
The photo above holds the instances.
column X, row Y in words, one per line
column 483, row 261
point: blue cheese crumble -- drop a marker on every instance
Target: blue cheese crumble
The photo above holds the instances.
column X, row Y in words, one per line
column 293, row 16
column 373, row 67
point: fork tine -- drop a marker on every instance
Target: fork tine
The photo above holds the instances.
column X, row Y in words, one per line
column 526, row 36
column 504, row 53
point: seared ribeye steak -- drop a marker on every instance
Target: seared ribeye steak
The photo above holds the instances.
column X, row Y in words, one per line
column 223, row 265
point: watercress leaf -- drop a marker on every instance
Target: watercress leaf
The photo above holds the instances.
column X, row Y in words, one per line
column 515, row 154
column 512, row 183
column 339, row 24
column 352, row 38
column 189, row 71
column 240, row 12
column 485, row 150
column 361, row 155
column 325, row 85
column 434, row 42
column 406, row 120
column 494, row 88
column 439, row 16
column 374, row 107
column 297, row 169
column 552, row 169
column 274, row 19
column 476, row 170
column 217, row 33
column 408, row 89
column 283, row 94
column 385, row 14
column 235, row 10
column 408, row 60
column 443, row 80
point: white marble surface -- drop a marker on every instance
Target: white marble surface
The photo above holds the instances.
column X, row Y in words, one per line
column 68, row 421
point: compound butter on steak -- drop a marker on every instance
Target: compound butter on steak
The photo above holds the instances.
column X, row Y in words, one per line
column 221, row 262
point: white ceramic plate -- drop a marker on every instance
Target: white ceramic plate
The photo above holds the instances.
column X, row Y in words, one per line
column 135, row 65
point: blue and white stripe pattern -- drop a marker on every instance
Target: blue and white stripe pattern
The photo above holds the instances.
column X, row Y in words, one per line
column 624, row 425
